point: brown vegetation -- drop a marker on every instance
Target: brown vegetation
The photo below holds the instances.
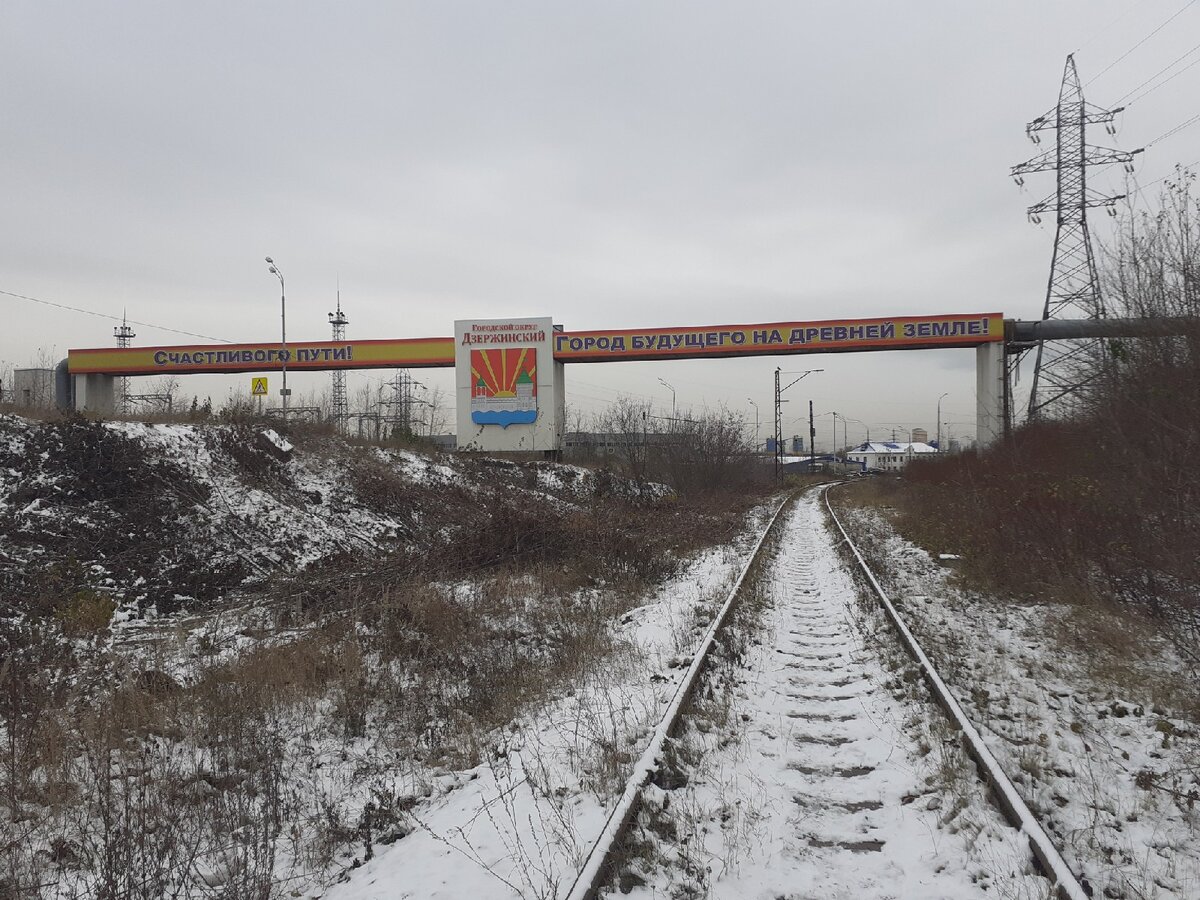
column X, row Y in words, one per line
column 703, row 452
column 119, row 778
column 1104, row 508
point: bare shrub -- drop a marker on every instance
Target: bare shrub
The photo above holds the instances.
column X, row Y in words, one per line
column 130, row 782
column 693, row 453
column 1103, row 508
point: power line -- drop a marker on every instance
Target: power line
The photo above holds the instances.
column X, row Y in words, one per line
column 100, row 315
column 619, row 392
column 1143, row 40
column 1105, row 28
column 1176, row 129
column 1189, row 166
column 1159, row 72
column 1149, row 91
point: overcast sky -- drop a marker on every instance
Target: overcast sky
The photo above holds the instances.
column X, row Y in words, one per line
column 610, row 164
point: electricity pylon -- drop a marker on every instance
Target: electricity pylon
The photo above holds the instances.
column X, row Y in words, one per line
column 1064, row 368
column 124, row 335
column 340, row 408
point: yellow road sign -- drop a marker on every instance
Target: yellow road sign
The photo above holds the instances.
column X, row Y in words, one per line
column 258, row 387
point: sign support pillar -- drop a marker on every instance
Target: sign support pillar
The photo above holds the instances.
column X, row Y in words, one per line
column 990, row 382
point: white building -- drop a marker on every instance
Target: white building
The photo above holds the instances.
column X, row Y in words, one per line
column 888, row 456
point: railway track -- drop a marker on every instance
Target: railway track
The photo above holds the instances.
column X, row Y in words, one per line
column 828, row 752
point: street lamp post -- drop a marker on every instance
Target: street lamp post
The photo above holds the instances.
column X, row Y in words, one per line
column 755, row 405
column 283, row 351
column 858, row 421
column 779, row 416
column 672, row 390
column 845, row 435
column 939, row 421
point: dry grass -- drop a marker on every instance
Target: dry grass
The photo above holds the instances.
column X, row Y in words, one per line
column 120, row 780
column 1121, row 643
column 665, row 834
column 1102, row 508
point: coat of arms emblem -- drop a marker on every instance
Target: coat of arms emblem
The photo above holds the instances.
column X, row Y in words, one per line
column 504, row 386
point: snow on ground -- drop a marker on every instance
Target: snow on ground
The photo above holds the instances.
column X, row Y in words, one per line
column 295, row 527
column 178, row 513
column 816, row 782
column 516, row 825
column 1110, row 769
column 520, row 824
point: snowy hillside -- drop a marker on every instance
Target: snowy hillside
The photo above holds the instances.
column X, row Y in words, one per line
column 158, row 516
column 244, row 663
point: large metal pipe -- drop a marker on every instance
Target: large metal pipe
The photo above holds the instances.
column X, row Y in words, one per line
column 1018, row 332
column 64, row 387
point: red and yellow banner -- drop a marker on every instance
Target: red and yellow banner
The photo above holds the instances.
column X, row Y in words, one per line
column 839, row 335
column 412, row 353
column 773, row 338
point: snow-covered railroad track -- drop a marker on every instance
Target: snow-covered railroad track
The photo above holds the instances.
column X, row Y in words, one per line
column 821, row 769
column 1015, row 809
column 595, row 870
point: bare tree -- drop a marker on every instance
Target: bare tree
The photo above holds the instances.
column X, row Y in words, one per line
column 702, row 452
column 437, row 411
column 625, row 427
column 6, row 382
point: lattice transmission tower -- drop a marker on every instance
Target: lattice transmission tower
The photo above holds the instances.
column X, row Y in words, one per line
column 1064, row 368
column 124, row 335
column 402, row 403
column 340, row 410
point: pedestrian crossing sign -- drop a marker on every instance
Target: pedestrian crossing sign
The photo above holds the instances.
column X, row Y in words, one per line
column 258, row 387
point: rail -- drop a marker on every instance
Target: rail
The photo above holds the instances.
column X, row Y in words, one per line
column 591, row 876
column 1014, row 808
column 595, row 871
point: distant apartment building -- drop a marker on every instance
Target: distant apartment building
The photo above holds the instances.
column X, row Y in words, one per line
column 795, row 443
column 920, row 436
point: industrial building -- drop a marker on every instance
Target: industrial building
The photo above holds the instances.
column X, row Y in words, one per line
column 889, row 456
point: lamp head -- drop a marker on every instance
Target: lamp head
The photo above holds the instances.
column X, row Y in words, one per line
column 271, row 261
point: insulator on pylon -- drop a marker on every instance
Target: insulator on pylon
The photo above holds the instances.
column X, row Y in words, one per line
column 1020, row 182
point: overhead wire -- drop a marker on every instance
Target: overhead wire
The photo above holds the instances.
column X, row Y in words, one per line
column 1178, row 128
column 100, row 315
column 1191, row 165
column 1171, row 19
column 1156, row 74
column 1124, row 15
column 1151, row 90
column 618, row 391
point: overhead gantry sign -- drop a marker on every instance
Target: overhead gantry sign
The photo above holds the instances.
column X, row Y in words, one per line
column 530, row 392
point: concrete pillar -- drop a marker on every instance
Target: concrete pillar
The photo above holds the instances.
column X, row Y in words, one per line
column 95, row 394
column 989, row 393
